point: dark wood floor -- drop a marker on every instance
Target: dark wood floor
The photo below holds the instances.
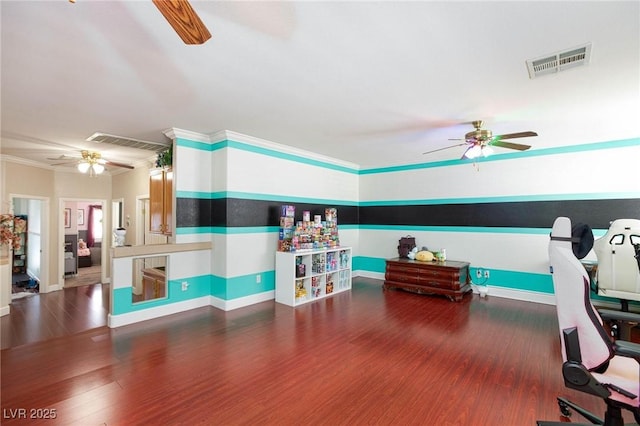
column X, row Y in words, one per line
column 360, row 358
column 56, row 314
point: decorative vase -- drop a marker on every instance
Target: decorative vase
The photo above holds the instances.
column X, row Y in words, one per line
column 119, row 235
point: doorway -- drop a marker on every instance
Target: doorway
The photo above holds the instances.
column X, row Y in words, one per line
column 84, row 236
column 29, row 270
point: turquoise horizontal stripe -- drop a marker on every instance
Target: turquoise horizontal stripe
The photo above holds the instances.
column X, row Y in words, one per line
column 570, row 149
column 243, row 285
column 290, row 157
column 529, row 281
column 366, row 263
column 263, row 151
column 475, row 229
column 201, row 195
column 202, row 146
column 436, row 201
column 505, row 199
column 470, row 229
column 287, row 198
column 262, row 197
column 198, row 286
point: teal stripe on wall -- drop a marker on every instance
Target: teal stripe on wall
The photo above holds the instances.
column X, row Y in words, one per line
column 529, row 281
column 263, row 151
column 625, row 143
column 243, row 285
column 504, row 199
column 369, row 264
column 198, row 286
column 273, row 229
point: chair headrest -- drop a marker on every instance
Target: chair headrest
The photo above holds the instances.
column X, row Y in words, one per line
column 581, row 237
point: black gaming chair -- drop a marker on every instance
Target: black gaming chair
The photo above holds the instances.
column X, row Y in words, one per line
column 593, row 363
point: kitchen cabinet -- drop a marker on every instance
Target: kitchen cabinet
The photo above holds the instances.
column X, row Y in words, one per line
column 161, row 202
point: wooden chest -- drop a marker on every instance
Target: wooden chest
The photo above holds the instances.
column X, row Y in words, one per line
column 449, row 278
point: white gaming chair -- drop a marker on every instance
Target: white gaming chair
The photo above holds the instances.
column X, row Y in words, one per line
column 618, row 273
column 593, row 363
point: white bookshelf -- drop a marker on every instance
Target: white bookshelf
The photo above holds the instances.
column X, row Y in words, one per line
column 326, row 272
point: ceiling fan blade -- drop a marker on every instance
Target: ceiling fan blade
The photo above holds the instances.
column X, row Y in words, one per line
column 516, row 135
column 64, row 164
column 509, row 145
column 442, row 149
column 111, row 163
column 63, row 157
column 184, row 20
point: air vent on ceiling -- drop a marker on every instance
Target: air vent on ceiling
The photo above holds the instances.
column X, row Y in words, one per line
column 128, row 142
column 559, row 61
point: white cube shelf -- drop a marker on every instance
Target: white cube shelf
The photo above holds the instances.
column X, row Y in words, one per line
column 305, row 276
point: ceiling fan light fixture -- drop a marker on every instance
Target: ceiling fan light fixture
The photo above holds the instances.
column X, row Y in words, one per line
column 98, row 168
column 83, row 167
column 473, row 152
column 487, row 151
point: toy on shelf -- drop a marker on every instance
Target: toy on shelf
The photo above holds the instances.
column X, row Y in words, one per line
column 307, row 234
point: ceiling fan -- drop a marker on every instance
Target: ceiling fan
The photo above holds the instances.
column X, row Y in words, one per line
column 89, row 161
column 184, row 20
column 480, row 141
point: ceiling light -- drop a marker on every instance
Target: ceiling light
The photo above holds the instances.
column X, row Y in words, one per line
column 83, row 167
column 98, row 168
column 473, row 152
column 91, row 163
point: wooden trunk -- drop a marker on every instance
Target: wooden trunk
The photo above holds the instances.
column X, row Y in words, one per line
column 449, row 278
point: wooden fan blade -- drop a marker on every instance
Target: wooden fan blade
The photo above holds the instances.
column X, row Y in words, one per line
column 442, row 149
column 184, row 20
column 111, row 163
column 510, row 145
column 516, row 135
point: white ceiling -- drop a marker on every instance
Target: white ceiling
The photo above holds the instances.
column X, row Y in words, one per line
column 374, row 83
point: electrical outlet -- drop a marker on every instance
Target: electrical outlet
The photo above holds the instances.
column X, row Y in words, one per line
column 486, row 274
column 258, row 279
column 478, row 273
column 185, row 285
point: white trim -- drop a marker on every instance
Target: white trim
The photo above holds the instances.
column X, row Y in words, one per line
column 368, row 274
column 114, row 321
column 286, row 149
column 5, row 310
column 241, row 302
column 53, row 287
column 174, row 133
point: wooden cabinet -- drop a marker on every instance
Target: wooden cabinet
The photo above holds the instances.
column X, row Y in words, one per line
column 153, row 283
column 309, row 275
column 449, row 278
column 161, row 202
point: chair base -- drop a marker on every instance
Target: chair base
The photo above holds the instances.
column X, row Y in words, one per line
column 613, row 415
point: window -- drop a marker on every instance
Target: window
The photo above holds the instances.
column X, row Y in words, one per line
column 96, row 224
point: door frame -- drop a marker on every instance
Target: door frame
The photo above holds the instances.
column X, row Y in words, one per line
column 45, row 282
column 106, row 217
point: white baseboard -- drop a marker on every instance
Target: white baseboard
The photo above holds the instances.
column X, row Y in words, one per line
column 241, row 302
column 523, row 295
column 368, row 274
column 5, row 310
column 114, row 321
column 504, row 292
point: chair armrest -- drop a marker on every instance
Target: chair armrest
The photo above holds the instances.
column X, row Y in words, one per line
column 627, row 349
column 612, row 315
